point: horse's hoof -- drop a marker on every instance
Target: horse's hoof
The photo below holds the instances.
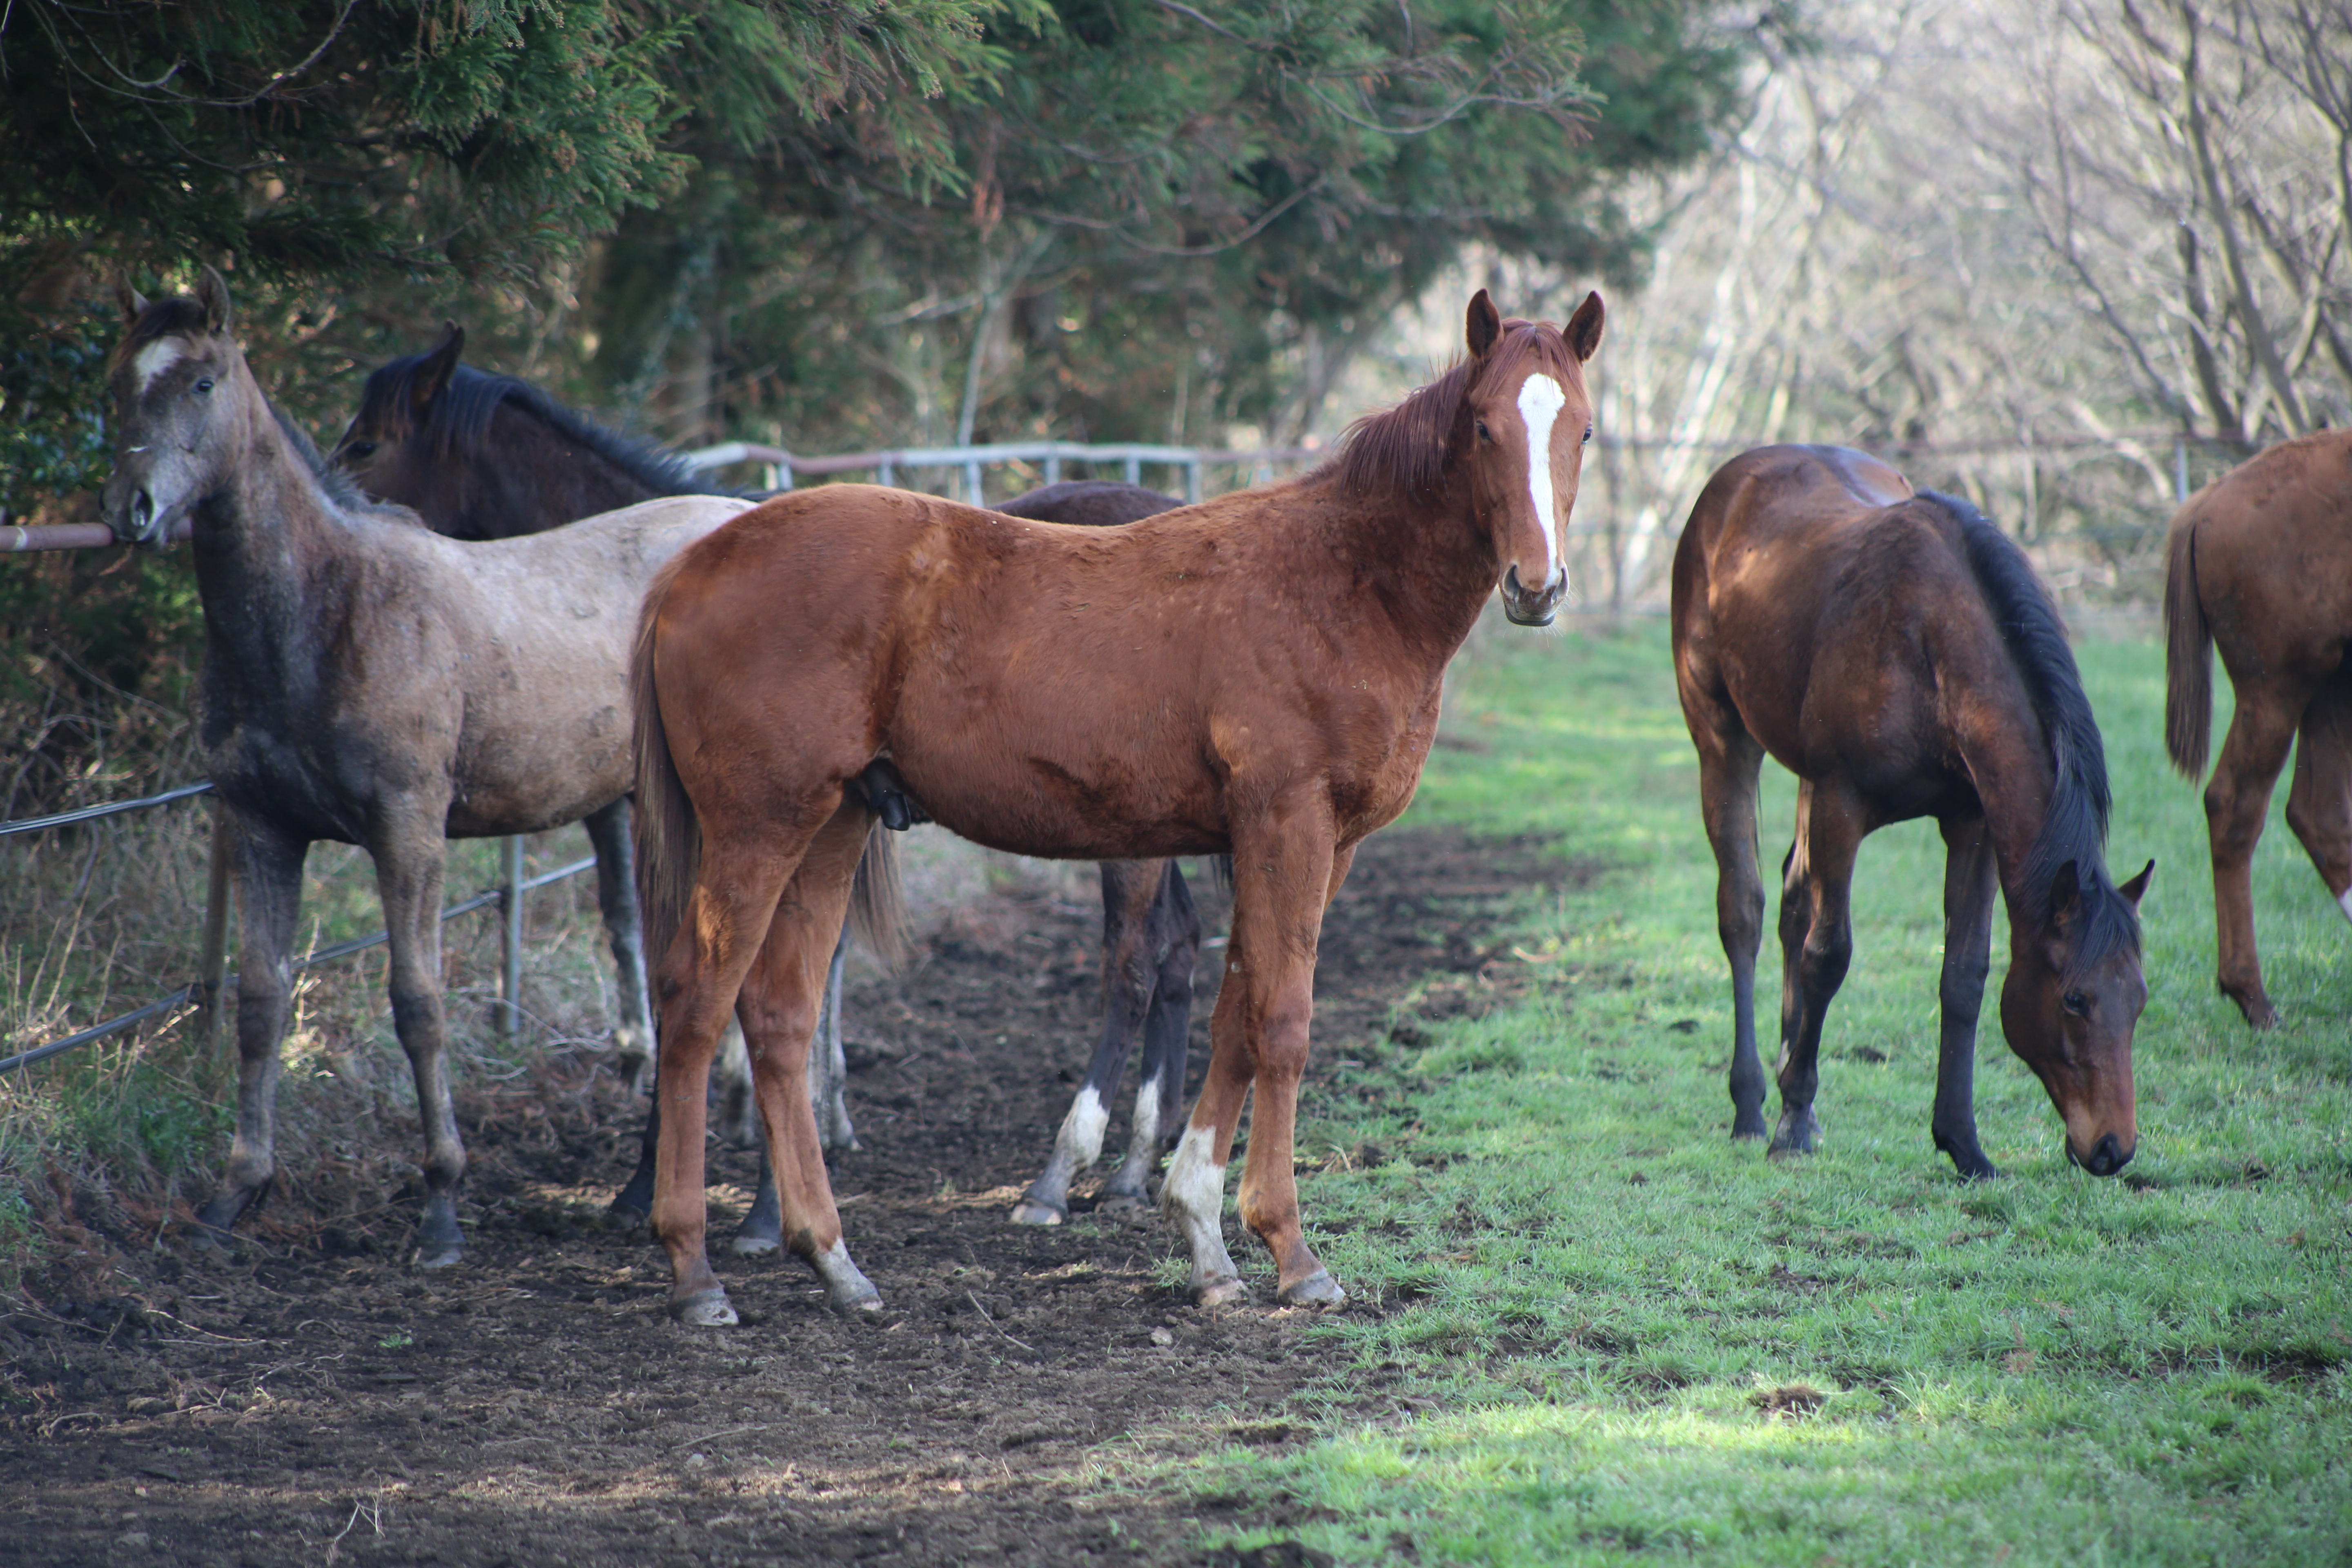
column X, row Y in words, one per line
column 212, row 1241
column 849, row 1303
column 624, row 1218
column 704, row 1309
column 1031, row 1211
column 1799, row 1134
column 1124, row 1200
column 1319, row 1291
column 439, row 1255
column 1219, row 1292
column 755, row 1243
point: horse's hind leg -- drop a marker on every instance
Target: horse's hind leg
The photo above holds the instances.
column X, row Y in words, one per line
column 2319, row 802
column 780, row 1003
column 1817, row 942
column 2235, row 801
column 1129, row 888
column 762, row 1230
column 616, row 897
column 1729, row 759
column 408, row 849
column 1971, row 883
column 268, row 866
column 1167, row 1037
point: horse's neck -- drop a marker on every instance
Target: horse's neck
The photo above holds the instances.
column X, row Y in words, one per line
column 2016, row 780
column 544, row 478
column 1436, row 566
column 265, row 565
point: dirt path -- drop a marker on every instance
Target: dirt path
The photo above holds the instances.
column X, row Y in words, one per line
column 315, row 1401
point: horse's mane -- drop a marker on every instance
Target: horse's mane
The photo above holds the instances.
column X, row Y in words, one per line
column 457, row 418
column 1404, row 447
column 2076, row 826
column 336, row 483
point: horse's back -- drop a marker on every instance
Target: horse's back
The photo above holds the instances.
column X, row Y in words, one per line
column 2272, row 556
column 1818, row 596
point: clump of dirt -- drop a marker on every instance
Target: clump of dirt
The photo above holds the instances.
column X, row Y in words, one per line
column 312, row 1399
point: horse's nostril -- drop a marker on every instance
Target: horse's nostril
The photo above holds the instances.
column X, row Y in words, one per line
column 2107, row 1157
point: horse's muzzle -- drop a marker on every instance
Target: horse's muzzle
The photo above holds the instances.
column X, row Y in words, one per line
column 134, row 520
column 1522, row 608
column 2105, row 1160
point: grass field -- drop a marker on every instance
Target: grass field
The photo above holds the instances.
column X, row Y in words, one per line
column 1608, row 1330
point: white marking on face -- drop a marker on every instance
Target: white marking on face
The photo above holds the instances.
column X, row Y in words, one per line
column 155, row 359
column 2345, row 903
column 1541, row 401
column 1082, row 1129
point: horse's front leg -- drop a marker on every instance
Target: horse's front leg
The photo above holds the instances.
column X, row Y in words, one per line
column 1129, row 888
column 1167, row 1037
column 268, row 864
column 1816, row 947
column 407, row 845
column 1971, row 883
column 616, row 897
column 1285, row 871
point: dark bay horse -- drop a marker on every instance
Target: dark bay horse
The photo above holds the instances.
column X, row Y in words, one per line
column 2260, row 562
column 1897, row 654
column 1259, row 675
column 481, row 456
column 368, row 682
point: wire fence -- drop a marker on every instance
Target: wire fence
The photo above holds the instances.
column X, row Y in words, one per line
column 214, row 979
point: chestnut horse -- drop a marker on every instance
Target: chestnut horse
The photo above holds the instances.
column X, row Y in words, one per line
column 480, row 456
column 2260, row 562
column 1897, row 654
column 1258, row 674
column 368, row 682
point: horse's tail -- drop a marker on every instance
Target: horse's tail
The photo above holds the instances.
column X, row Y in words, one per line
column 669, row 834
column 2188, row 653
column 877, row 898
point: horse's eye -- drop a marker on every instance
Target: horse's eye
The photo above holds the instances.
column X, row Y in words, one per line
column 205, row 384
column 1588, row 435
column 1483, row 434
column 2074, row 1002
column 360, row 449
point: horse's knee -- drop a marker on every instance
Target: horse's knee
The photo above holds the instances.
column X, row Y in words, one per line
column 1823, row 964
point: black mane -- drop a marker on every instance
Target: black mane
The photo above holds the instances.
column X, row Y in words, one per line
column 457, row 419
column 2076, row 827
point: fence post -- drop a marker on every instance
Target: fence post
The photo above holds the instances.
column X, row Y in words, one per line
column 2179, row 471
column 971, row 491
column 1193, row 482
column 510, row 1018
column 1053, row 470
column 1135, row 470
column 211, row 958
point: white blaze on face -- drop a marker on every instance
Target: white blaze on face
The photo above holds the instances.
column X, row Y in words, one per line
column 2345, row 903
column 155, row 359
column 1541, row 401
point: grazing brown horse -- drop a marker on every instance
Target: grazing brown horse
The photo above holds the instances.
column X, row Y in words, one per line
column 2260, row 562
column 368, row 682
column 1258, row 674
column 1898, row 654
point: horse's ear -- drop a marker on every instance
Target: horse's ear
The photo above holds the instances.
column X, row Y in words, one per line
column 2066, row 899
column 2136, row 888
column 131, row 301
column 212, row 293
column 1584, row 328
column 1485, row 324
column 440, row 362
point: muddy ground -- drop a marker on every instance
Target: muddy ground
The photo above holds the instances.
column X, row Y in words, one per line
column 313, row 1400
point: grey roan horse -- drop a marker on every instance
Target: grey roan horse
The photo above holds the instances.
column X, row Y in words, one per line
column 368, row 681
